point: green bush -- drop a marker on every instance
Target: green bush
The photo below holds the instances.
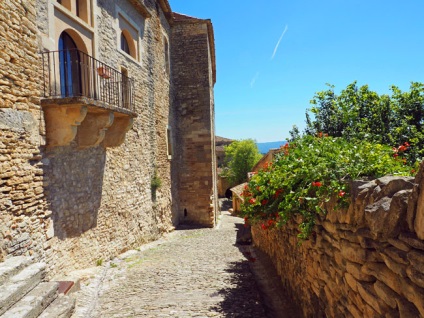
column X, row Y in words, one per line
column 310, row 171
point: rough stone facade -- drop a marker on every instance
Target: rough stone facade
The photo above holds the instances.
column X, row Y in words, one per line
column 23, row 213
column 193, row 79
column 365, row 261
column 71, row 205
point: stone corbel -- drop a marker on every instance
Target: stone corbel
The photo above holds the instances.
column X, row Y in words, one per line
column 93, row 129
column 62, row 123
column 115, row 135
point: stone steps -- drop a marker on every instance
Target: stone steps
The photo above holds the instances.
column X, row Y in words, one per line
column 24, row 295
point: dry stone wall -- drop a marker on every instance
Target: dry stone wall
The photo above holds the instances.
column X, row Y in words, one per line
column 365, row 261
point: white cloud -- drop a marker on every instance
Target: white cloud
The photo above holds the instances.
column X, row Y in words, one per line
column 253, row 81
column 279, row 40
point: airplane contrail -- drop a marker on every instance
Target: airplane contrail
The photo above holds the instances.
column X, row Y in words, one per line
column 279, row 40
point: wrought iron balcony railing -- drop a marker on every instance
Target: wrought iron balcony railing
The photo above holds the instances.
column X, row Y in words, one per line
column 73, row 73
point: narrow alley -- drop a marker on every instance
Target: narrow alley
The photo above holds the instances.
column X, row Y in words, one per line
column 189, row 273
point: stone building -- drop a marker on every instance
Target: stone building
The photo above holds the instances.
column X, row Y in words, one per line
column 106, row 127
column 223, row 183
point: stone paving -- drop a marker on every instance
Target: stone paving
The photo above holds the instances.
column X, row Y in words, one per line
column 188, row 273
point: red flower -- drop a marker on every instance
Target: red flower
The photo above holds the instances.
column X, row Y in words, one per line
column 278, row 192
column 271, row 222
column 252, row 201
column 264, row 227
column 341, row 193
column 317, row 184
column 395, row 155
column 402, row 148
column 264, row 201
column 406, row 144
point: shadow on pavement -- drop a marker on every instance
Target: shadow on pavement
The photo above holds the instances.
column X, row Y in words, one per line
column 243, row 298
column 257, row 289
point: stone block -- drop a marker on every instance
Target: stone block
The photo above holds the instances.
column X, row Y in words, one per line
column 416, row 258
column 415, row 276
column 398, row 268
column 414, row 294
column 386, row 217
column 406, row 309
column 412, row 207
column 412, row 240
column 355, row 270
column 351, row 282
column 399, row 244
column 369, row 295
column 353, row 252
column 392, row 184
column 383, row 274
column 386, row 294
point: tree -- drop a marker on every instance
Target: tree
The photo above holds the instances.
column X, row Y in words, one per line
column 240, row 157
column 358, row 113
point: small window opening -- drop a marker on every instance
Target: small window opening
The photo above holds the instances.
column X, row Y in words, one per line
column 169, row 142
column 124, row 44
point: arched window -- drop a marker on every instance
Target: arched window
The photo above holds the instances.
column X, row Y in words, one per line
column 124, row 44
column 70, row 69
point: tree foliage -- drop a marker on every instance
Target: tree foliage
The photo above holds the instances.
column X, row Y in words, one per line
column 358, row 113
column 240, row 157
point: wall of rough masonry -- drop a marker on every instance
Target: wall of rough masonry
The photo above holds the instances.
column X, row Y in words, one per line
column 70, row 206
column 365, row 261
column 100, row 198
column 195, row 134
column 23, row 213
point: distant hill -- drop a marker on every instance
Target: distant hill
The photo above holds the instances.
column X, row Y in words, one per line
column 264, row 147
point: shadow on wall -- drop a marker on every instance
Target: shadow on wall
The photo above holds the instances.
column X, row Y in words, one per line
column 73, row 184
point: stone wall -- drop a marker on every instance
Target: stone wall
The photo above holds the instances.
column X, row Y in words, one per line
column 195, row 133
column 71, row 206
column 366, row 261
column 23, row 213
column 100, row 198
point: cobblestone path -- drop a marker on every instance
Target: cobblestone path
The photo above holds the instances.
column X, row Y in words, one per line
column 189, row 273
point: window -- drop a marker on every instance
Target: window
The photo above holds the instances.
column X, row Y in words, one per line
column 169, row 142
column 166, row 52
column 128, row 34
column 124, row 44
column 81, row 8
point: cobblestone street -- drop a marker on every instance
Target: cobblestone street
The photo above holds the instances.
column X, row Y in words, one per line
column 188, row 273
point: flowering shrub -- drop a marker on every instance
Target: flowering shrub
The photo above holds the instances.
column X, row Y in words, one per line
column 310, row 171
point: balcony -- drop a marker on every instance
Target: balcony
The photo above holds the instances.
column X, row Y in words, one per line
column 85, row 100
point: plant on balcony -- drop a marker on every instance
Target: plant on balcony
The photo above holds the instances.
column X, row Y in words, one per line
column 310, row 171
column 104, row 72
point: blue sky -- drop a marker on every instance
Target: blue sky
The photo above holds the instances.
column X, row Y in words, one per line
column 272, row 56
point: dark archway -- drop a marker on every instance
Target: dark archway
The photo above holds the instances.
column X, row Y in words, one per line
column 228, row 193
